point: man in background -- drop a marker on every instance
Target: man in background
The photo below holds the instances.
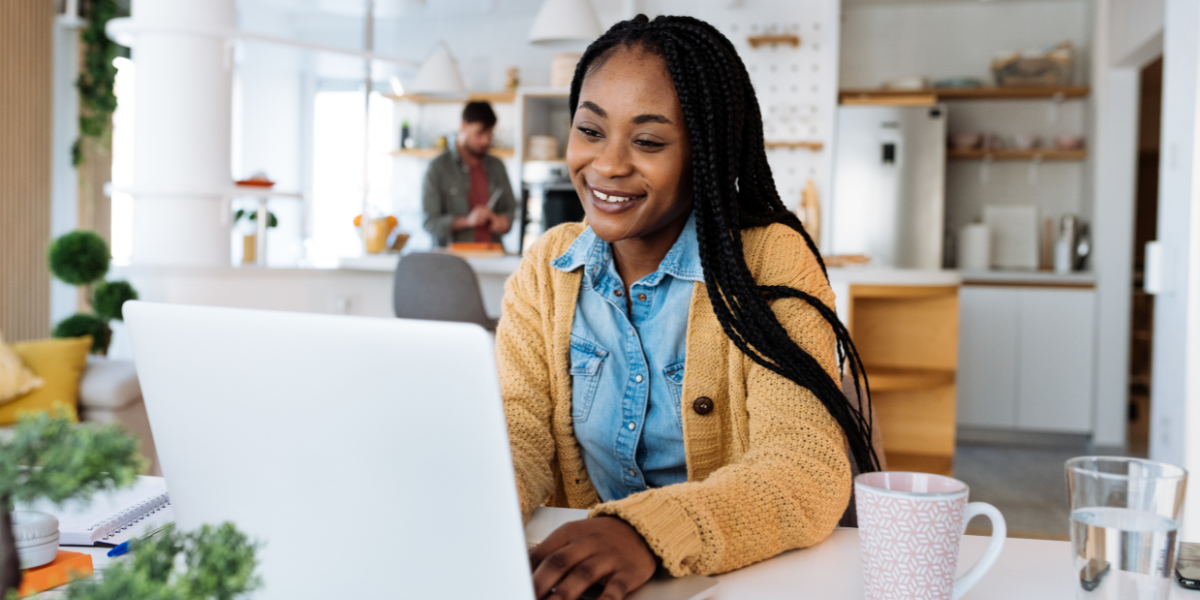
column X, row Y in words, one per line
column 467, row 196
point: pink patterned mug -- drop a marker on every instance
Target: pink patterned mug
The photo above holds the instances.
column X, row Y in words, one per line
column 910, row 526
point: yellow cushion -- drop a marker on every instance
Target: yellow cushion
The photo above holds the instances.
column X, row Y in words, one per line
column 15, row 378
column 60, row 363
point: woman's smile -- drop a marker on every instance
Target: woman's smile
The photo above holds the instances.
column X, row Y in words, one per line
column 612, row 202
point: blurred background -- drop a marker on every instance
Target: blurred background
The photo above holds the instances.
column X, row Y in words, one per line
column 1002, row 188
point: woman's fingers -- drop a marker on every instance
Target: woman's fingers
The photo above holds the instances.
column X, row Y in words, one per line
column 579, row 554
column 618, row 587
column 554, row 566
column 582, row 576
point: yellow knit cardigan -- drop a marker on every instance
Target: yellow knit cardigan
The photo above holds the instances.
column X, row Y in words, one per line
column 767, row 468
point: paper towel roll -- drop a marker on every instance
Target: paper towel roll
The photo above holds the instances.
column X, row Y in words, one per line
column 974, row 247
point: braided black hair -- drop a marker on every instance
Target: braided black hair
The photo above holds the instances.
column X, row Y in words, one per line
column 734, row 190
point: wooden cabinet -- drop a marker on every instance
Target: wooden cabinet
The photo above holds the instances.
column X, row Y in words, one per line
column 1026, row 358
column 907, row 336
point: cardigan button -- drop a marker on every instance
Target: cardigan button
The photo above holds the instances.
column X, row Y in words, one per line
column 703, row 405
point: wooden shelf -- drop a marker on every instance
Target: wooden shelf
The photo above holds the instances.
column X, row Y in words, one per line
column 774, row 40
column 1035, row 154
column 878, row 96
column 497, row 97
column 434, row 152
column 920, row 463
column 807, row 145
column 905, row 380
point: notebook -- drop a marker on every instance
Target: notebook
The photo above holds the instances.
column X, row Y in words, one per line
column 110, row 518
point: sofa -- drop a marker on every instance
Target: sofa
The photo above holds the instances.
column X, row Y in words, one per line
column 109, row 393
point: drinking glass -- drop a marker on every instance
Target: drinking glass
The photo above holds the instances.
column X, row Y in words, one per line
column 1125, row 513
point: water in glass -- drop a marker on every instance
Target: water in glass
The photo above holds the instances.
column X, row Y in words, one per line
column 1121, row 553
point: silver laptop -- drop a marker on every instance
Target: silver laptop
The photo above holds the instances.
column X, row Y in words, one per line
column 369, row 456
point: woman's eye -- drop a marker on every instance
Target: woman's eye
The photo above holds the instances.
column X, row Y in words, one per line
column 649, row 144
column 591, row 133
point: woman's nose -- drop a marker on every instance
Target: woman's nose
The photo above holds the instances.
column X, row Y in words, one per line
column 612, row 160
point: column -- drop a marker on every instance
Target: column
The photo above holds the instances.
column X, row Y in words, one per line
column 182, row 130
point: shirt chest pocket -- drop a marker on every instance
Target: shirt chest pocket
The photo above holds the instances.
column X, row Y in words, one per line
column 674, row 377
column 587, row 363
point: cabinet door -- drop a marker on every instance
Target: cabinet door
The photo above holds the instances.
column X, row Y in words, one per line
column 987, row 357
column 1056, row 339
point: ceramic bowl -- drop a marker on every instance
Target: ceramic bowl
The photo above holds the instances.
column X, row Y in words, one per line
column 1069, row 142
column 966, row 141
column 1025, row 141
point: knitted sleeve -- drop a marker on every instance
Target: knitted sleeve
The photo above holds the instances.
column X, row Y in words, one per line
column 792, row 483
column 522, row 346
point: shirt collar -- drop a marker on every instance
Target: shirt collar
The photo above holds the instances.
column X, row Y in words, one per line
column 682, row 261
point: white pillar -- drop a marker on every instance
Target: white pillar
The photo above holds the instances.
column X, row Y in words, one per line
column 1175, row 390
column 182, row 129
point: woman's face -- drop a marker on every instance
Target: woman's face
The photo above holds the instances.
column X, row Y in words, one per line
column 628, row 151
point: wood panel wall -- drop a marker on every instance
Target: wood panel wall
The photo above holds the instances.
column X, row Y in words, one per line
column 26, row 102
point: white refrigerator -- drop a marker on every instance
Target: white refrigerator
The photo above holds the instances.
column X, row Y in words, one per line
column 888, row 197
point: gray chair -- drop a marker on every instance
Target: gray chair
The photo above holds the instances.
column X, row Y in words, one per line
column 435, row 286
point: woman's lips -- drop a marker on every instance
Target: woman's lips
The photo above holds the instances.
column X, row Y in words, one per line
column 613, row 202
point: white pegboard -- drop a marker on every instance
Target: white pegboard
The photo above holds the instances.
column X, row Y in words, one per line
column 796, row 87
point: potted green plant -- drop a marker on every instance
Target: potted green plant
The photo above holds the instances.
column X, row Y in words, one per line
column 81, row 258
column 51, row 457
column 250, row 234
column 214, row 563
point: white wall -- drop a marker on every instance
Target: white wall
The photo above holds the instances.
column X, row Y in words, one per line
column 1136, row 27
column 1175, row 391
column 64, row 185
column 955, row 39
column 1115, row 90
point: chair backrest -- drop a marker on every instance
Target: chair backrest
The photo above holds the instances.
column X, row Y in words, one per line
column 850, row 517
column 438, row 287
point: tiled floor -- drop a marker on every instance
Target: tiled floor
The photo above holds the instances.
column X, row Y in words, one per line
column 1028, row 485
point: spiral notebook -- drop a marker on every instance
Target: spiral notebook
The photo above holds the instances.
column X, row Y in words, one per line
column 110, row 518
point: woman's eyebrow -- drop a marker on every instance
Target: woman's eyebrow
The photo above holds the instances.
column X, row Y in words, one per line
column 592, row 107
column 638, row 120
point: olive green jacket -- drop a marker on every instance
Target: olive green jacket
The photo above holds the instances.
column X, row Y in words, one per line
column 445, row 195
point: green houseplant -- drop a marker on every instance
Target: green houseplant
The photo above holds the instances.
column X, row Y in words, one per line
column 51, row 457
column 213, row 563
column 81, row 258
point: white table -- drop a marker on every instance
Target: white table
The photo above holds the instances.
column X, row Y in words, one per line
column 832, row 570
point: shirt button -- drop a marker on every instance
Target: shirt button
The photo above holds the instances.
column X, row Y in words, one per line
column 632, row 425
column 632, row 473
column 703, row 405
column 642, row 297
column 618, row 293
column 638, row 379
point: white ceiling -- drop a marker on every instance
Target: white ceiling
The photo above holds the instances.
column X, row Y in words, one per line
column 861, row 3
column 385, row 9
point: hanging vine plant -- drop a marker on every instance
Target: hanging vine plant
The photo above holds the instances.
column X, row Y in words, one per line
column 97, row 75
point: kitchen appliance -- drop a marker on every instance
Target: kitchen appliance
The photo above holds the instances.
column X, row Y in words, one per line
column 888, row 198
column 548, row 199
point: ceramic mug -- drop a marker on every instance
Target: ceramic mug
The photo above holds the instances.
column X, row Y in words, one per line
column 911, row 526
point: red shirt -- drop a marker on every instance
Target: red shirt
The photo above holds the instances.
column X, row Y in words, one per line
column 478, row 197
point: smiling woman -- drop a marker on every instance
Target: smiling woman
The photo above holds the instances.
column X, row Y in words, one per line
column 673, row 363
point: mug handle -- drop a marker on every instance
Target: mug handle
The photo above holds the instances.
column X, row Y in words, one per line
column 999, row 532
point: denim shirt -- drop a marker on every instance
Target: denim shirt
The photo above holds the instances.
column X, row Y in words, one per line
column 627, row 366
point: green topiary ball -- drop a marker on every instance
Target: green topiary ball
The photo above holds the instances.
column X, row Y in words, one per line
column 110, row 296
column 79, row 258
column 81, row 324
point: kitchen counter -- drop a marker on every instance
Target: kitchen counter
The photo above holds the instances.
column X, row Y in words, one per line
column 867, row 275
column 1029, row 278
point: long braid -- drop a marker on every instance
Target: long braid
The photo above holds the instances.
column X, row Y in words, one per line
column 734, row 190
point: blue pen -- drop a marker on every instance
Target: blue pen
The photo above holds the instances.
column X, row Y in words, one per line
column 119, row 549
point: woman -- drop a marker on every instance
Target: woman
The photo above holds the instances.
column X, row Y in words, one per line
column 671, row 363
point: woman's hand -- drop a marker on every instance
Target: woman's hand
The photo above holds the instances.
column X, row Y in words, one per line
column 580, row 554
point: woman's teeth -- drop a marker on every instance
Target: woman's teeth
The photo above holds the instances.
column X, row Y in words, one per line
column 611, row 198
